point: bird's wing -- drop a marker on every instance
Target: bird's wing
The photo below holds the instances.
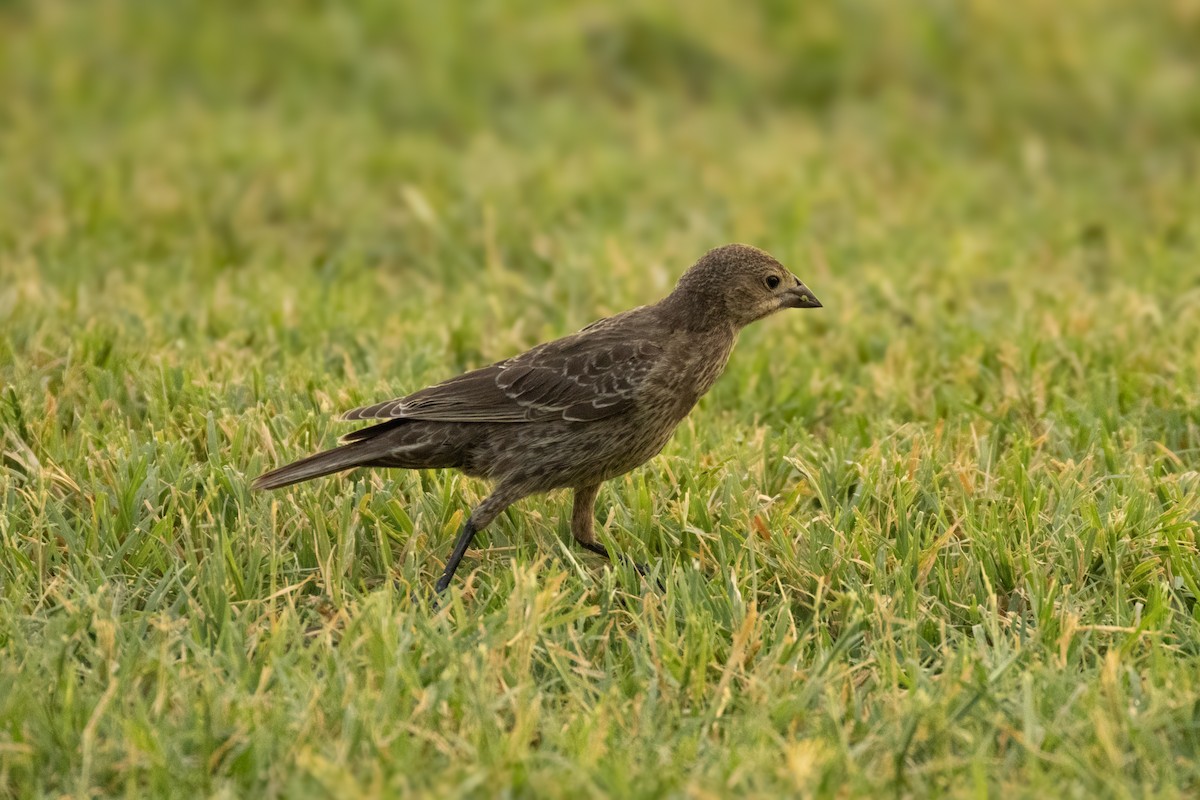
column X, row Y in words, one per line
column 588, row 376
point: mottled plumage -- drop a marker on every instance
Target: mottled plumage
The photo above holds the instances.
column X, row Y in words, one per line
column 576, row 411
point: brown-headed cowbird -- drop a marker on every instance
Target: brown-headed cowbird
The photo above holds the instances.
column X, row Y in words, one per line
column 576, row 411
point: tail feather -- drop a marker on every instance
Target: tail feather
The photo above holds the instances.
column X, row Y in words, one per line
column 394, row 443
column 325, row 463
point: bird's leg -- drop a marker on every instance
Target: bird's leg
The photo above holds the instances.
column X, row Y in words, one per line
column 583, row 519
column 583, row 522
column 460, row 548
column 480, row 518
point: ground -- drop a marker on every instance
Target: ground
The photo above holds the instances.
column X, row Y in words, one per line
column 938, row 538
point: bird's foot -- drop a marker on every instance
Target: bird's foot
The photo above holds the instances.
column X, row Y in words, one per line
column 596, row 548
column 601, row 550
column 418, row 598
column 639, row 567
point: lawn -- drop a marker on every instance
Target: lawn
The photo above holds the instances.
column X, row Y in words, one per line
column 938, row 538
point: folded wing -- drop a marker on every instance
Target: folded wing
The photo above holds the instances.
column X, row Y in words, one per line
column 588, row 376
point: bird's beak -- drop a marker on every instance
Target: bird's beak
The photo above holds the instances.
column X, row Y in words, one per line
column 800, row 297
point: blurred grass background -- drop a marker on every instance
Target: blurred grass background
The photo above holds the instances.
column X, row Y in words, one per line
column 938, row 538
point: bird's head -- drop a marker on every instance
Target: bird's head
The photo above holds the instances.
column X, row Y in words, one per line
column 735, row 285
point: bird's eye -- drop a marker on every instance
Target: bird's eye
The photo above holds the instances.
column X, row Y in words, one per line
column 772, row 282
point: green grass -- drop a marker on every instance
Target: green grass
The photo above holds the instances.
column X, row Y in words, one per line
column 937, row 539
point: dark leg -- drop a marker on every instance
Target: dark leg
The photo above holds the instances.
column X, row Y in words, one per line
column 480, row 518
column 460, row 548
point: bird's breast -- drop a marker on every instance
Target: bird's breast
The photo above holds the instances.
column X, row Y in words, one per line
column 689, row 371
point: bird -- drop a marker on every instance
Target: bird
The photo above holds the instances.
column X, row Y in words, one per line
column 574, row 412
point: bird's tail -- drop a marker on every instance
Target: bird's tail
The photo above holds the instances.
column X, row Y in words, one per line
column 330, row 461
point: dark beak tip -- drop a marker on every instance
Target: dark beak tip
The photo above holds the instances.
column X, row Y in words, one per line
column 803, row 298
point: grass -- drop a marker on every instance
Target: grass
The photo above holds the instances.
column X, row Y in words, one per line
column 937, row 539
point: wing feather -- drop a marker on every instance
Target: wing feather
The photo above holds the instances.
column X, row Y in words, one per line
column 590, row 375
